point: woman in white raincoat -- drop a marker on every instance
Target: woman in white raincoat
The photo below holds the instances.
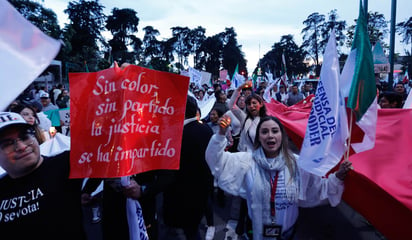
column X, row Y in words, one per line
column 270, row 179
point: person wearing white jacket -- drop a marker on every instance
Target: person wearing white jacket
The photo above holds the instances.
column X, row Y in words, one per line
column 270, row 180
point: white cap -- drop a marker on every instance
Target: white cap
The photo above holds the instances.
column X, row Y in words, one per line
column 11, row 118
column 44, row 95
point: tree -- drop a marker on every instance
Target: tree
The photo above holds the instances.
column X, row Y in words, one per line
column 182, row 44
column 210, row 54
column 232, row 54
column 377, row 29
column 294, row 57
column 43, row 18
column 123, row 25
column 313, row 36
column 404, row 29
column 151, row 46
column 196, row 39
column 86, row 23
column 333, row 24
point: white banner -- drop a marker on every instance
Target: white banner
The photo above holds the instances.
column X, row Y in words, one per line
column 206, row 76
column 195, row 76
column 326, row 132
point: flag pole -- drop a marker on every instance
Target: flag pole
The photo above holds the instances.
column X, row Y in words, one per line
column 350, row 135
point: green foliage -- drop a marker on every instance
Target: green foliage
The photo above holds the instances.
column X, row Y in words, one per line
column 182, row 44
column 232, row 54
column 151, row 46
column 404, row 29
column 45, row 19
column 337, row 26
column 196, row 38
column 377, row 29
column 83, row 40
column 294, row 57
column 87, row 23
column 123, row 25
column 313, row 36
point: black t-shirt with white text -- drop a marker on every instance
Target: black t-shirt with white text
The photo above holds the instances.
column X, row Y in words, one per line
column 42, row 205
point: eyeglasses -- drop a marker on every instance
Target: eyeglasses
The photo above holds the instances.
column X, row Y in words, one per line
column 11, row 145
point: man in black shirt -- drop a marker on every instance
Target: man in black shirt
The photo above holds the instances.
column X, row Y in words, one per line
column 37, row 198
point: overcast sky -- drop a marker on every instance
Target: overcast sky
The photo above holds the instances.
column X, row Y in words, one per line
column 258, row 23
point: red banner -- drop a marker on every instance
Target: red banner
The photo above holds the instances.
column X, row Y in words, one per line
column 125, row 121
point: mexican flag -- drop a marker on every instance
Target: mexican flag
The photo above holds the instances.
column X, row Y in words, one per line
column 358, row 84
column 237, row 79
column 405, row 79
column 284, row 76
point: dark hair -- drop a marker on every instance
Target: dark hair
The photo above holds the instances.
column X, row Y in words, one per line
column 290, row 159
column 217, row 94
column 19, row 107
column 35, row 129
column 259, row 89
column 191, row 107
column 262, row 110
column 392, row 97
column 218, row 111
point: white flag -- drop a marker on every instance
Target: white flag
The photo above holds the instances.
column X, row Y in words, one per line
column 266, row 95
column 195, row 76
column 205, row 78
column 25, row 53
column 408, row 102
column 326, row 133
column 239, row 79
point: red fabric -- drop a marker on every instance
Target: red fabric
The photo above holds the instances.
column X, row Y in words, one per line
column 380, row 186
column 125, row 122
column 294, row 117
column 405, row 79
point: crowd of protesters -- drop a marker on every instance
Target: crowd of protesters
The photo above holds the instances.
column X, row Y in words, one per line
column 229, row 150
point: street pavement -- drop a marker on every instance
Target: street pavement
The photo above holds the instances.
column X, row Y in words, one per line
column 318, row 223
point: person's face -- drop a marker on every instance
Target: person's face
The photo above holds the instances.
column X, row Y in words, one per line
column 241, row 102
column 222, row 97
column 384, row 103
column 254, row 107
column 270, row 138
column 28, row 115
column 247, row 92
column 214, row 117
column 399, row 88
column 282, row 89
column 295, row 89
column 19, row 152
column 200, row 95
column 44, row 101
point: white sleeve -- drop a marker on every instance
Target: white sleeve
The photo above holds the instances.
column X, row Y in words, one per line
column 237, row 112
column 229, row 169
column 316, row 190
